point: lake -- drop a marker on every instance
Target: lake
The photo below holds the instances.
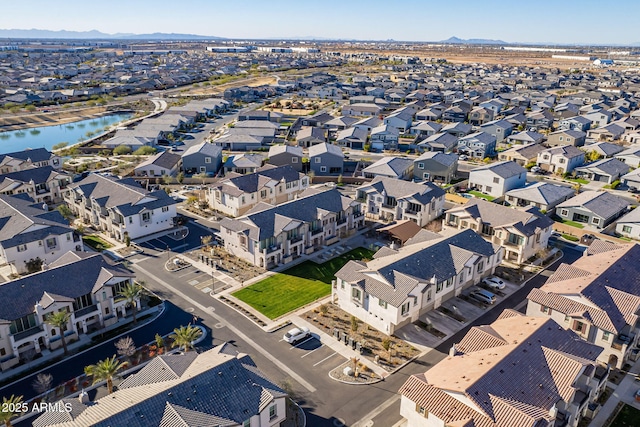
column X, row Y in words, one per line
column 48, row 136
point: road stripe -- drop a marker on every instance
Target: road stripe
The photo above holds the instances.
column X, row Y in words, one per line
column 309, row 352
column 377, row 411
column 232, row 328
column 326, row 358
column 190, row 272
column 300, row 343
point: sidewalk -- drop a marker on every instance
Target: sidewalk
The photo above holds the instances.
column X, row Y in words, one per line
column 623, row 392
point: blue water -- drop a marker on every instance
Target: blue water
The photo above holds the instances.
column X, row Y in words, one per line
column 48, row 136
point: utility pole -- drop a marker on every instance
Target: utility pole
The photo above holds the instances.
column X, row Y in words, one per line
column 213, row 277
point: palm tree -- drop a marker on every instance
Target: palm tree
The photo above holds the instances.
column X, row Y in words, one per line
column 59, row 320
column 105, row 369
column 132, row 293
column 184, row 336
column 8, row 409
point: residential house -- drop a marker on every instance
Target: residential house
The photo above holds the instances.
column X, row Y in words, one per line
column 629, row 225
column 543, row 195
column 500, row 129
column 239, row 142
column 28, row 159
column 91, row 299
column 283, row 155
column 429, row 113
column 440, row 142
column 273, row 185
column 605, row 170
column 243, row 163
column 598, row 118
column 355, row 137
column 120, row 207
column 389, row 199
column 269, row 236
column 384, row 137
column 630, row 156
column 526, row 137
column 398, row 286
column 309, row 136
column 496, row 179
column 326, row 159
column 361, row 109
column 161, row 164
column 368, row 123
column 202, row 158
column 522, row 234
column 390, row 167
column 31, row 236
column 595, row 208
column 458, row 129
column 478, row 144
column 604, row 150
column 479, row 116
column 576, row 138
column 580, row 123
column 435, row 166
column 610, row 132
column 497, row 370
column 541, row 119
column 338, row 124
column 317, row 120
column 44, row 184
column 522, row 154
column 560, row 159
column 218, row 387
column 632, row 179
column 594, row 298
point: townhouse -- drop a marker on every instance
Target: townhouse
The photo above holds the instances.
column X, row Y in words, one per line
column 273, row 185
column 269, row 236
column 43, row 184
column 522, row 234
column 398, row 286
column 389, row 199
column 28, row 159
column 120, row 207
column 597, row 297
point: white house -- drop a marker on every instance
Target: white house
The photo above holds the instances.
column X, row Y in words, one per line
column 495, row 179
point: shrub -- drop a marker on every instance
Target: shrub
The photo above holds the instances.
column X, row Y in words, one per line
column 122, row 150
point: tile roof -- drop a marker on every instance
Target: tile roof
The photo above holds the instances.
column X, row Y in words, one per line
column 316, row 150
column 250, row 183
column 612, row 167
column 506, row 169
column 601, row 203
column 389, row 166
column 422, row 192
column 542, row 192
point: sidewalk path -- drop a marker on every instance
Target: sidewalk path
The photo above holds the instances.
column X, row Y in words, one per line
column 623, row 393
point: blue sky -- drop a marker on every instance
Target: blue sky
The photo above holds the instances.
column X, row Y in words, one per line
column 552, row 21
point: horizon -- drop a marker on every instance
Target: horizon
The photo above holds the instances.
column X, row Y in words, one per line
column 545, row 23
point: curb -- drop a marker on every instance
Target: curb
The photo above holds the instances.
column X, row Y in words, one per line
column 349, row 382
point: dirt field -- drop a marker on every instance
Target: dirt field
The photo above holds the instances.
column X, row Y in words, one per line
column 35, row 119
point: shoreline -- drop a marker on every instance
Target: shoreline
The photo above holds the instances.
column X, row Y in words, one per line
column 11, row 123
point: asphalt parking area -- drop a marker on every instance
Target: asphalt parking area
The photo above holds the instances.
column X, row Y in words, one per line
column 312, row 354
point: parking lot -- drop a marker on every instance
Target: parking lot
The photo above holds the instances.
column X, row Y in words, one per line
column 310, row 354
column 181, row 243
column 200, row 280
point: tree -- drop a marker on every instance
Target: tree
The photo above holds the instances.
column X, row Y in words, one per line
column 184, row 336
column 387, row 344
column 180, row 177
column 65, row 212
column 355, row 361
column 340, row 179
column 324, row 309
column 206, row 241
column 127, row 239
column 355, row 324
column 59, row 320
column 159, row 341
column 131, row 293
column 125, row 347
column 167, row 179
column 10, row 409
column 121, row 150
column 105, row 370
column 144, row 151
column 42, row 383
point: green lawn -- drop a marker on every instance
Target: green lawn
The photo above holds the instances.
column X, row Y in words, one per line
column 480, row 195
column 572, row 223
column 570, row 237
column 628, row 417
column 297, row 286
column 577, row 180
column 96, row 243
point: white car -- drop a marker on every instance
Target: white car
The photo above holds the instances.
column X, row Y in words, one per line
column 296, row 334
column 493, row 282
column 463, row 157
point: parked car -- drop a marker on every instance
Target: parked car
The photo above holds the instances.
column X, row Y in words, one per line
column 637, row 396
column 483, row 296
column 296, row 335
column 463, row 157
column 536, row 169
column 493, row 282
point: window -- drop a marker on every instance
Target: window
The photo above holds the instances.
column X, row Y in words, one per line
column 420, row 165
column 317, row 160
column 247, row 423
column 51, row 242
column 68, row 237
column 561, row 138
column 596, row 221
column 273, row 412
column 626, row 229
column 566, row 318
column 579, row 327
column 294, row 160
column 546, row 310
column 3, row 352
column 439, row 286
column 425, row 175
column 405, row 308
column 146, row 216
column 488, row 189
column 421, row 410
column 561, row 160
column 605, row 335
column 496, row 180
column 130, row 220
column 165, row 209
column 480, row 267
column 382, row 303
column 356, row 294
column 22, row 248
column 564, row 212
column 323, row 168
column 207, row 159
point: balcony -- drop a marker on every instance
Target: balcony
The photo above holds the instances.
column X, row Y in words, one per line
column 316, row 232
column 358, row 214
column 341, row 221
column 84, row 311
column 272, row 249
column 562, row 419
column 295, row 239
column 622, row 341
column 26, row 334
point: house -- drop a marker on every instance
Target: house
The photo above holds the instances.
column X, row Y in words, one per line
column 368, row 123
column 458, row 129
column 243, row 163
column 580, row 123
column 519, row 371
column 202, row 158
column 604, row 149
column 273, row 185
column 401, row 120
column 573, row 137
column 361, row 109
column 435, row 166
column 425, row 129
column 630, row 156
column 239, row 142
column 610, row 132
column 523, row 154
column 355, row 137
column 269, row 236
column 398, row 286
column 339, row 123
column 629, row 225
column 594, row 298
column 595, row 208
column 326, row 159
column 560, row 159
column 632, row 179
column 522, row 233
column 28, row 159
column 283, row 155
column 43, row 184
column 496, row 179
column 90, row 298
column 218, row 387
column 257, row 115
column 479, row 116
column 599, row 117
column 389, row 199
column 541, row 119
column 390, row 167
column 308, row 136
column 120, row 207
column 526, row 137
column 543, row 195
column 440, row 142
column 478, row 144
column 31, row 234
column 384, row 137
column 500, row 129
column 158, row 165
column 605, row 170
column 317, row 120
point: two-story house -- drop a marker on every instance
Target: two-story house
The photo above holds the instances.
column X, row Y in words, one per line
column 384, row 137
column 522, row 154
column 390, row 199
column 398, row 286
column 560, row 159
column 573, row 137
column 478, row 144
column 286, row 155
column 500, row 129
column 543, row 195
column 269, row 236
column 326, row 159
column 202, row 158
column 43, row 184
column 435, row 166
column 522, row 233
column 440, row 142
column 28, row 159
column 161, row 164
column 595, row 298
column 496, row 179
column 120, row 207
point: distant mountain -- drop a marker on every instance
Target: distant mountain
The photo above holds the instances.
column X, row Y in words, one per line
column 456, row 40
column 95, row 34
